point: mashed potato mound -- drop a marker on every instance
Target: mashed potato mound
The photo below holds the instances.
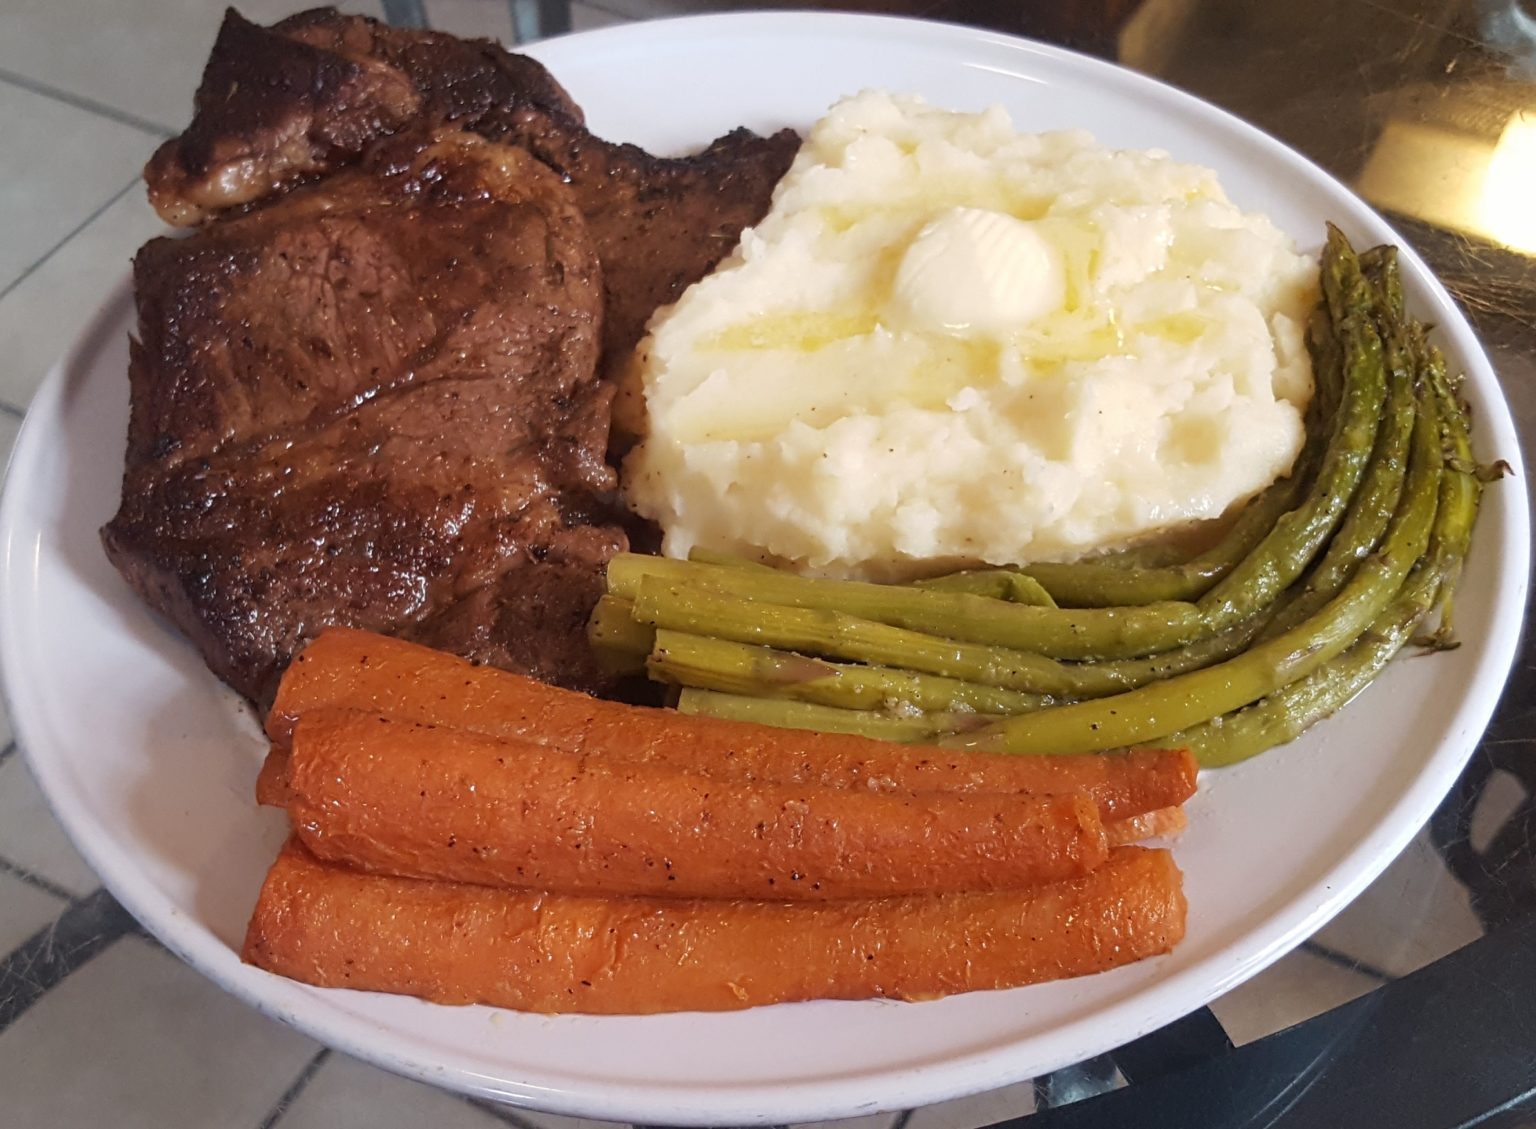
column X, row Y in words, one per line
column 952, row 342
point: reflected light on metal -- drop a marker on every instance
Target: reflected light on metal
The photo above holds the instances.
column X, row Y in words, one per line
column 1457, row 180
column 1427, row 172
column 1507, row 206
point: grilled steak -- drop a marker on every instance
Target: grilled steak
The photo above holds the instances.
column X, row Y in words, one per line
column 366, row 390
column 282, row 105
column 373, row 401
column 277, row 107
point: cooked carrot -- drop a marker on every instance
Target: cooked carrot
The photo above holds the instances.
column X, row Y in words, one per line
column 1164, row 823
column 337, row 928
column 396, row 797
column 365, row 671
column 370, row 672
column 272, row 780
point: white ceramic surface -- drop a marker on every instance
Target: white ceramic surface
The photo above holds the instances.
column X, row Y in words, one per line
column 149, row 762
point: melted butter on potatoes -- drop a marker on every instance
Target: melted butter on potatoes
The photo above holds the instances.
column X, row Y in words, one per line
column 952, row 342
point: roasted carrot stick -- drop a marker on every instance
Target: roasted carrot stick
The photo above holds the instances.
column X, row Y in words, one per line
column 272, row 780
column 1164, row 823
column 338, row 928
column 360, row 670
column 396, row 797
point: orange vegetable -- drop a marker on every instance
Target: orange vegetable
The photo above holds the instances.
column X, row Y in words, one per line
column 360, row 670
column 272, row 780
column 335, row 927
column 1164, row 823
column 398, row 797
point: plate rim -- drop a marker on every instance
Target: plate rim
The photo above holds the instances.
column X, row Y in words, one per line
column 904, row 1086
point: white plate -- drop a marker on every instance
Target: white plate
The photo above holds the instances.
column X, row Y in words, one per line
column 149, row 762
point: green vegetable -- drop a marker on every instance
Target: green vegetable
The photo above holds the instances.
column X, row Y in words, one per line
column 1164, row 708
column 1286, row 714
column 1107, row 583
column 999, row 583
column 1366, row 522
column 1299, row 535
column 824, row 719
column 740, row 668
column 1320, row 581
column 699, row 610
column 1057, row 633
column 709, row 556
column 618, row 640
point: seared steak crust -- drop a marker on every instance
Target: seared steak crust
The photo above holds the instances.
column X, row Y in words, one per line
column 659, row 224
column 463, row 81
column 270, row 112
column 372, row 402
column 366, row 390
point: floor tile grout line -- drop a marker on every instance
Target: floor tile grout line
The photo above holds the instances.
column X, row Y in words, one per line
column 1344, row 960
column 499, row 1112
column 37, row 881
column 85, row 929
column 74, row 231
column 616, row 15
column 89, row 105
column 1039, row 1092
column 10, row 747
column 15, row 413
column 276, row 1114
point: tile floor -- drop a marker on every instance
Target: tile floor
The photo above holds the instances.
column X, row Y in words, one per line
column 100, row 1025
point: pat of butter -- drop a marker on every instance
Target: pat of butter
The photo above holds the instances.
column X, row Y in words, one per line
column 975, row 270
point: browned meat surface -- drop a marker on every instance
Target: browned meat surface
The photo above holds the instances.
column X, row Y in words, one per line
column 372, row 401
column 269, row 112
column 464, row 81
column 658, row 224
column 366, row 388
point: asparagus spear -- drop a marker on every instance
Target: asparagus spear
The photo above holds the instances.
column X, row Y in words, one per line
column 1163, row 708
column 699, row 610
column 1131, row 673
column 740, row 668
column 618, row 640
column 825, row 719
column 1470, row 475
column 1025, row 681
column 1159, row 572
column 999, row 583
column 1366, row 521
column 1057, row 633
column 1299, row 535
column 1284, row 715
column 1108, row 583
column 709, row 556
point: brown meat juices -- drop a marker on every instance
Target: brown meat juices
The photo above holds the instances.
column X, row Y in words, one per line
column 339, row 928
column 610, row 866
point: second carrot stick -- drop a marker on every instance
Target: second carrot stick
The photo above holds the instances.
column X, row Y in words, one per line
column 397, row 797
